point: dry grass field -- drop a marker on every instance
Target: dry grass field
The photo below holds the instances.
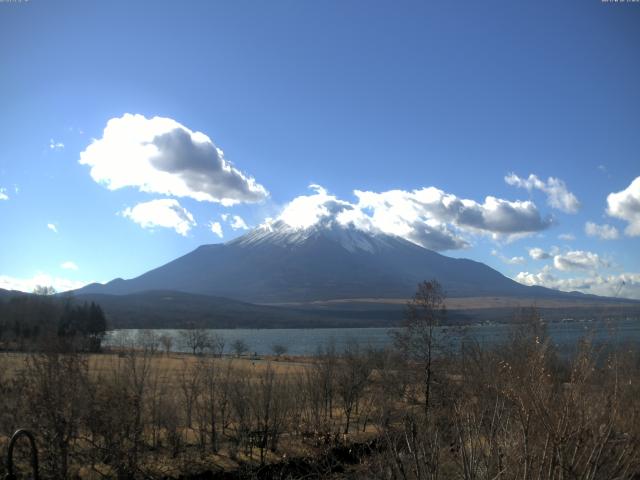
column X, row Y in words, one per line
column 520, row 411
column 174, row 397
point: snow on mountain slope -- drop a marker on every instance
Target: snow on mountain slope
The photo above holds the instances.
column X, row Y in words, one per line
column 281, row 234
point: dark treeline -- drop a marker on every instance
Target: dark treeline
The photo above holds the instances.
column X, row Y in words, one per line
column 32, row 322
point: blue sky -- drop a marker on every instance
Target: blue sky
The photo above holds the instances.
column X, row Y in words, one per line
column 348, row 95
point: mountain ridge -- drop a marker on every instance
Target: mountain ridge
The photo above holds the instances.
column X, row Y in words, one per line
column 278, row 263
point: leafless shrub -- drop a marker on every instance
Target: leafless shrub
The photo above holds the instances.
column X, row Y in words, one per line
column 166, row 341
column 55, row 389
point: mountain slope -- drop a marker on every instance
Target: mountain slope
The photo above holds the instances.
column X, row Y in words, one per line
column 278, row 263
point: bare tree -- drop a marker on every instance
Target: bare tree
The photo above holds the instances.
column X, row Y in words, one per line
column 190, row 383
column 352, row 375
column 217, row 343
column 166, row 341
column 239, row 346
column 207, row 401
column 196, row 339
column 122, row 340
column 240, row 396
column 417, row 339
column 148, row 340
column 279, row 349
column 44, row 290
column 325, row 365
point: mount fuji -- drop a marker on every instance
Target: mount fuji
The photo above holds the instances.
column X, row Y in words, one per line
column 278, row 263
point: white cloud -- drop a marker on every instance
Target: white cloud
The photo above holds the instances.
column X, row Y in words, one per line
column 238, row 223
column 52, row 227
column 39, row 279
column 53, row 145
column 626, row 206
column 69, row 265
column 216, row 228
column 539, row 254
column 507, row 260
column 605, row 231
column 567, row 237
column 166, row 213
column 544, row 278
column 624, row 285
column 578, row 260
column 307, row 210
column 3, row 194
column 427, row 217
column 495, row 216
column 160, row 155
column 558, row 196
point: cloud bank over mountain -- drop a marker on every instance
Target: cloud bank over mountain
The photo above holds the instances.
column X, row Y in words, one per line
column 428, row 216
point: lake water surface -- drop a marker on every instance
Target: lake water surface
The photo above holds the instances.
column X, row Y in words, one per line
column 565, row 335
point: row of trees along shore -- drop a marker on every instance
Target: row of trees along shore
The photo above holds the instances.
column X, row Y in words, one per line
column 416, row 410
column 31, row 322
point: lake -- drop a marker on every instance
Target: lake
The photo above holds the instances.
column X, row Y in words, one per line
column 564, row 335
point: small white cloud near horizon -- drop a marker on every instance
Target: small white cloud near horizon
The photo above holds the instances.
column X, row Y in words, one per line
column 53, row 145
column 52, row 227
column 568, row 237
column 61, row 284
column 69, row 265
column 3, row 194
column 558, row 196
column 604, row 231
column 216, row 228
column 578, row 260
column 165, row 213
column 159, row 155
column 625, row 205
column 624, row 285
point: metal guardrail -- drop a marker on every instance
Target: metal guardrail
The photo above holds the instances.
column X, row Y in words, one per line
column 34, row 454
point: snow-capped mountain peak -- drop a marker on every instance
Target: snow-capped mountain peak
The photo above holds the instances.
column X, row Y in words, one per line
column 351, row 238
